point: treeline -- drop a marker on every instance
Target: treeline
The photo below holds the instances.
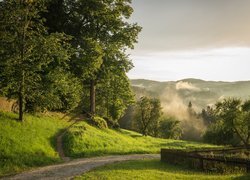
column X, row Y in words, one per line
column 226, row 123
column 60, row 54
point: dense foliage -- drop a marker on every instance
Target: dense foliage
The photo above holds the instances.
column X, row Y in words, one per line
column 231, row 124
column 57, row 55
column 169, row 128
column 101, row 35
column 149, row 120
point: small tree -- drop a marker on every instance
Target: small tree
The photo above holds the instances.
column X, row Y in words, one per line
column 234, row 118
column 155, row 116
column 148, row 114
column 208, row 115
column 169, row 128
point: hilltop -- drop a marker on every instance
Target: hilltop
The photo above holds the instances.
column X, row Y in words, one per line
column 201, row 93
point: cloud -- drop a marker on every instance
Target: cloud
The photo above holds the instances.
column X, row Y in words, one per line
column 191, row 24
column 186, row 85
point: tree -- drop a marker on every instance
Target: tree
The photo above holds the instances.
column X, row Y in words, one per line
column 208, row 115
column 190, row 110
column 114, row 96
column 233, row 116
column 169, row 128
column 26, row 49
column 101, row 35
column 148, row 115
column 155, row 116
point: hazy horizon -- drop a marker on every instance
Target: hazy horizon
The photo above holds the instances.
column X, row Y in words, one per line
column 207, row 40
column 188, row 78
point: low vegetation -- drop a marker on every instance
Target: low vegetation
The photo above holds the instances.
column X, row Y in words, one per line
column 152, row 169
column 28, row 144
column 83, row 140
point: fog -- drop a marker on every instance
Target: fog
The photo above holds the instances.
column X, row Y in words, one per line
column 174, row 106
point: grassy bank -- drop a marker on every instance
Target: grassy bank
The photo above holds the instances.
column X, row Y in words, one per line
column 152, row 169
column 28, row 144
column 83, row 140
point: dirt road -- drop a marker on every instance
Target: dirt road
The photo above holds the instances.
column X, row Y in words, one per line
column 69, row 170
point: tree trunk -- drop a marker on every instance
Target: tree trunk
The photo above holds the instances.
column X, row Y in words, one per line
column 21, row 98
column 241, row 138
column 92, row 97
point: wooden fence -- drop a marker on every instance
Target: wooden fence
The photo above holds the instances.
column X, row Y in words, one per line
column 197, row 158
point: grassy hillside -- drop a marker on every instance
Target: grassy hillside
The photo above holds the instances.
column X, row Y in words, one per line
column 32, row 143
column 152, row 169
column 83, row 140
column 28, row 144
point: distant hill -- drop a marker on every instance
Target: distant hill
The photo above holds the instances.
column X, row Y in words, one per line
column 176, row 95
column 201, row 93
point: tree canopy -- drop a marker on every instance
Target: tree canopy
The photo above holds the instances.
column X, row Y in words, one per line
column 231, row 120
column 55, row 53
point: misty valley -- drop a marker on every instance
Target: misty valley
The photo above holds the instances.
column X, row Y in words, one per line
column 192, row 103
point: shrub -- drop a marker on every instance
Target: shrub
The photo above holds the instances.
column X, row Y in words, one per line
column 98, row 122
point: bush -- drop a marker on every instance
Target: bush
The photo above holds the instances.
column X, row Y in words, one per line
column 98, row 122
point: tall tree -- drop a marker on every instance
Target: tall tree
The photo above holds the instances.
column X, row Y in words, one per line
column 26, row 48
column 102, row 24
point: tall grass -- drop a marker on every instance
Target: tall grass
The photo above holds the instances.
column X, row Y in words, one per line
column 83, row 140
column 28, row 144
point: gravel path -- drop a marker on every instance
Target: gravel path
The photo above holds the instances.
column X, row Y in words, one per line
column 69, row 170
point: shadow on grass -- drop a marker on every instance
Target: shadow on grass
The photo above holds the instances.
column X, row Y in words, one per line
column 18, row 162
column 146, row 165
column 243, row 177
column 9, row 116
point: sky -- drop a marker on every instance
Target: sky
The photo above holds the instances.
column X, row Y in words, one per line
column 203, row 39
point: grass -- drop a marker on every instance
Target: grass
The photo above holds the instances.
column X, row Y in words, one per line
column 150, row 170
column 83, row 140
column 28, row 144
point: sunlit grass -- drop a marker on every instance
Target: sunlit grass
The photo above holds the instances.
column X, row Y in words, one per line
column 83, row 140
column 150, row 170
column 28, row 144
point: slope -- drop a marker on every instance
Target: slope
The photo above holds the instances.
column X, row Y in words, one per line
column 83, row 140
column 28, row 144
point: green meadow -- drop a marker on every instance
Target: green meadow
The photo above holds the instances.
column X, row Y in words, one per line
column 152, row 170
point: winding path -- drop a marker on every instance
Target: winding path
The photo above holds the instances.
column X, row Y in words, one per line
column 70, row 169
